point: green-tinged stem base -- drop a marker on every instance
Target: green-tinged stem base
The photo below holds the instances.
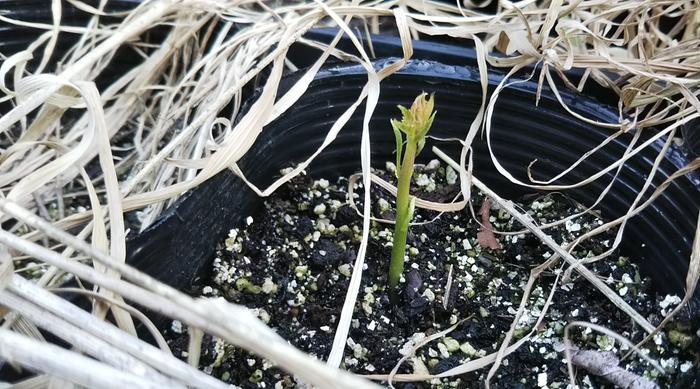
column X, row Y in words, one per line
column 403, row 214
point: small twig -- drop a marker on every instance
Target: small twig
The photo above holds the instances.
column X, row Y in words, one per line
column 605, row 364
column 569, row 349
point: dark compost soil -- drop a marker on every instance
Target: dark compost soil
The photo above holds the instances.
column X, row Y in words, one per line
column 292, row 262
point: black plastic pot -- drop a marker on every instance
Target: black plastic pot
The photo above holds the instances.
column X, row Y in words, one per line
column 179, row 248
column 443, row 49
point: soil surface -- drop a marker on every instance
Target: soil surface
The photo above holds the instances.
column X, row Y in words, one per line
column 291, row 263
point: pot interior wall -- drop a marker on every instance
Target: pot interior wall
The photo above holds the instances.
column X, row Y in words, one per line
column 659, row 238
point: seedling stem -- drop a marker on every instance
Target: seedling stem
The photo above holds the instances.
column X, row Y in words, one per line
column 414, row 125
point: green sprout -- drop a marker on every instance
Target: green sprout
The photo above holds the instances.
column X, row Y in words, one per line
column 414, row 125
